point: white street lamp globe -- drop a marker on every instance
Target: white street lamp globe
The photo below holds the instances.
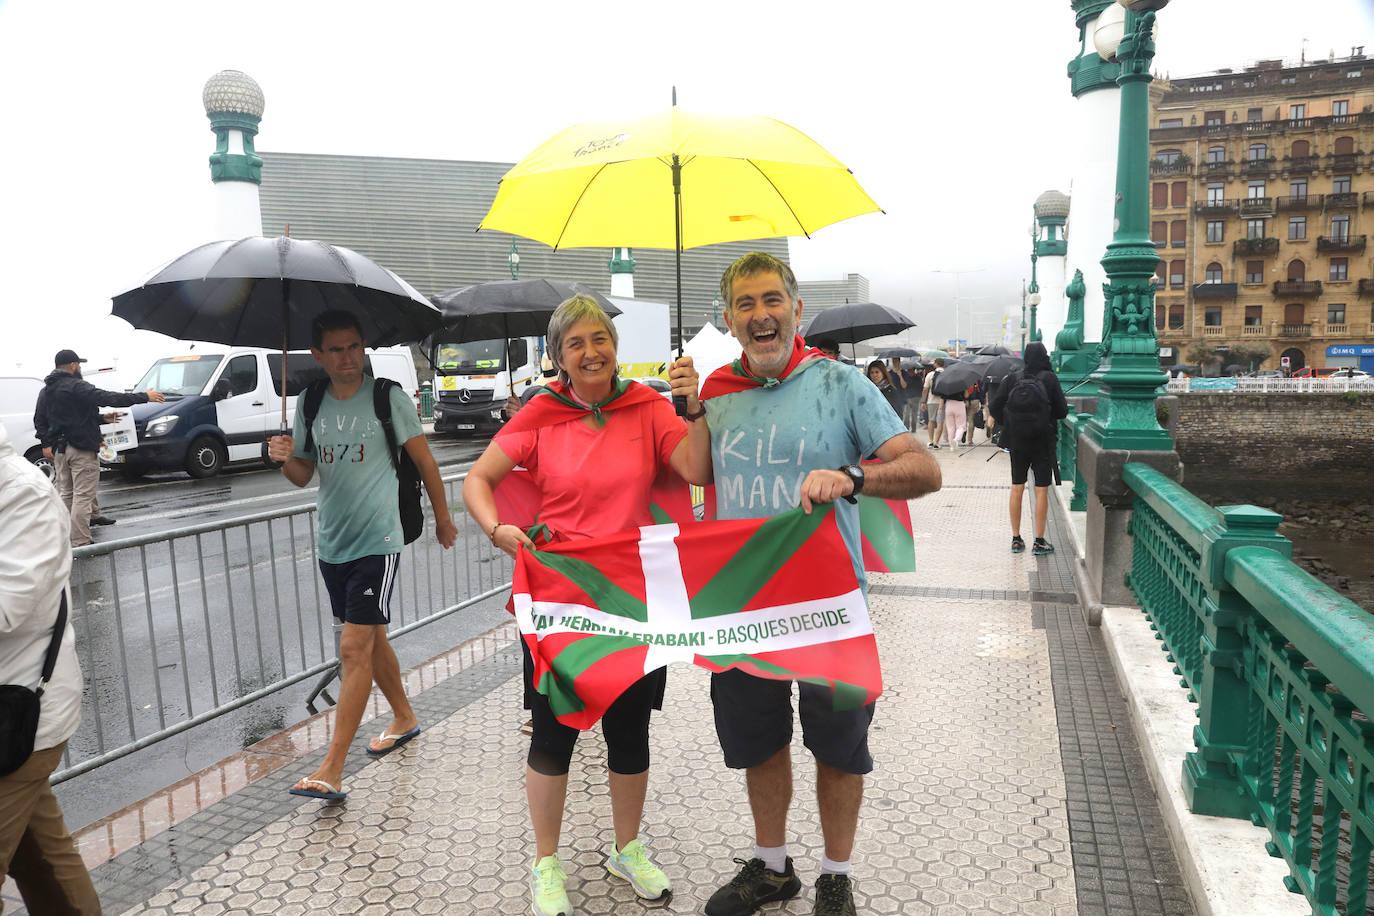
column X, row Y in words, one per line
column 1034, row 299
column 1109, row 31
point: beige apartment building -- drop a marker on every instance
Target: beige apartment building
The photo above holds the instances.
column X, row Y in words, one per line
column 1262, row 196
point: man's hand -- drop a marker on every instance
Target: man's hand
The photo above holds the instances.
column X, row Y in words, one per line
column 47, row 453
column 156, row 397
column 821, row 487
column 279, row 448
column 512, row 407
column 684, row 381
column 446, row 531
column 509, row 538
column 111, row 417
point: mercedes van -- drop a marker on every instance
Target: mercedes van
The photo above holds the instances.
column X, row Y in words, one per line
column 223, row 404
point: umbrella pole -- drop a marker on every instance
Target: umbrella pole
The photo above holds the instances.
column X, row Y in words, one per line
column 679, row 401
column 285, row 340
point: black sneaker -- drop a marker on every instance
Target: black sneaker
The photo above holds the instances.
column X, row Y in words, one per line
column 834, row 896
column 754, row 886
column 101, row 520
column 1042, row 548
column 1017, row 545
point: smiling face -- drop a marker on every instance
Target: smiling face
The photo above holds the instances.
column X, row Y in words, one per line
column 764, row 319
column 876, row 374
column 587, row 354
column 341, row 354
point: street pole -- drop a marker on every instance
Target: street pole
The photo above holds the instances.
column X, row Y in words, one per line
column 1023, row 316
column 1129, row 376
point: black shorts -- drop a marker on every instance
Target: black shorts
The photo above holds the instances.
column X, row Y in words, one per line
column 754, row 722
column 1040, row 460
column 360, row 590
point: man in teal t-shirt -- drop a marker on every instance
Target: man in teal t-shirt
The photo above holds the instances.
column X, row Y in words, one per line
column 360, row 532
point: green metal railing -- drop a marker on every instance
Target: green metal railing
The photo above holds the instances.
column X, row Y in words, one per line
column 1280, row 667
column 1067, row 443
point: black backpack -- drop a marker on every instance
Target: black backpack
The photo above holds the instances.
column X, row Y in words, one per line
column 1028, row 410
column 407, row 475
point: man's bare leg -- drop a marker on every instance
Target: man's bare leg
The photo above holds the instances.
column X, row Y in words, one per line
column 355, row 658
column 1042, row 510
column 386, row 674
column 840, row 795
column 1018, row 494
column 770, row 796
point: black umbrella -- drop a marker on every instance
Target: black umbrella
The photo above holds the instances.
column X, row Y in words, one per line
column 902, row 352
column 261, row 292
column 1003, row 366
column 955, row 380
column 857, row 321
column 976, row 359
column 993, row 350
column 507, row 308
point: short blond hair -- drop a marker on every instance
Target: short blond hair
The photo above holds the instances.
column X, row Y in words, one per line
column 565, row 317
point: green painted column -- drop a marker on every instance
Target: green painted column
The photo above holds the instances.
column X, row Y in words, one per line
column 1130, row 376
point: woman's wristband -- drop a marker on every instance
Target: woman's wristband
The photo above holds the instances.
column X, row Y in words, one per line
column 491, row 535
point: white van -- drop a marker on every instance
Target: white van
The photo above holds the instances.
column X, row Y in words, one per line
column 223, row 403
column 18, row 396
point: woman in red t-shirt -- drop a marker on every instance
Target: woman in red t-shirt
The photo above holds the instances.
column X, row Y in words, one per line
column 595, row 455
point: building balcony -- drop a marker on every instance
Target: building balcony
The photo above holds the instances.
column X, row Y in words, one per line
column 1346, row 162
column 1254, row 330
column 1258, row 166
column 1214, row 291
column 1348, row 200
column 1217, row 169
column 1366, row 288
column 1337, row 330
column 1300, row 165
column 1290, row 288
column 1306, row 202
column 1213, row 330
column 1255, row 246
column 1182, row 167
column 1295, row 330
column 1170, row 333
column 1342, row 244
column 1257, row 206
column 1217, row 207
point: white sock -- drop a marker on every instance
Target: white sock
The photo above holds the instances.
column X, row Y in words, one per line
column 831, row 867
column 774, row 857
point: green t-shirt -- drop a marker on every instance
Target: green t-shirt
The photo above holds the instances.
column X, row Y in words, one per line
column 359, row 510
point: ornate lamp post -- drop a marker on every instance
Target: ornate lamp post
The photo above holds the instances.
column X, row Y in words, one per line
column 1130, row 376
column 715, row 311
column 1033, row 300
column 513, row 259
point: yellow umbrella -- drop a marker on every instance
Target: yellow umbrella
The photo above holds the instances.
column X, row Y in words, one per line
column 675, row 180
column 608, row 184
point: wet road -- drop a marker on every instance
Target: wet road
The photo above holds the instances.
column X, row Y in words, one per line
column 172, row 629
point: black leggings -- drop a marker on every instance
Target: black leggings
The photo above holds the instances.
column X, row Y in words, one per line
column 625, row 725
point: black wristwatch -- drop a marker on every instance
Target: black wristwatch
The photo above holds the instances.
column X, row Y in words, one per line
column 856, row 475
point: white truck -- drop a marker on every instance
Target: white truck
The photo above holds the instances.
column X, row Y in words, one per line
column 472, row 380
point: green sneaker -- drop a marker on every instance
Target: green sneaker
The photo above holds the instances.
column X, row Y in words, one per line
column 834, row 896
column 754, row 886
column 633, row 864
column 546, row 887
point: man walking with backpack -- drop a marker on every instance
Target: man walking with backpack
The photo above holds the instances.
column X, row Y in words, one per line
column 1029, row 405
column 365, row 439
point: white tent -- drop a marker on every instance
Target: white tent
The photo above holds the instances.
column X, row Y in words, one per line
column 710, row 349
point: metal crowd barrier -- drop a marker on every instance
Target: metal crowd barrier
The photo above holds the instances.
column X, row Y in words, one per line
column 1281, row 668
column 230, row 612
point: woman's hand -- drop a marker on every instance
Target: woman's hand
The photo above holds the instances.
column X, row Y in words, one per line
column 510, row 539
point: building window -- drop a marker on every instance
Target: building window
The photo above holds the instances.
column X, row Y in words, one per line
column 1216, row 154
column 1216, row 230
column 1354, row 74
column 1340, row 270
column 1297, row 271
column 1215, row 118
column 1297, row 229
column 1170, row 122
column 1255, row 190
column 1216, row 194
column 1176, row 272
column 1297, row 112
column 1159, row 233
column 1176, row 317
column 1178, row 194
column 1212, row 317
column 1178, row 233
column 1297, row 189
column 1159, row 195
column 1288, row 81
column 1254, row 316
column 1335, row 313
column 1301, row 149
column 1340, row 228
column 1254, row 115
column 1344, row 146
column 1258, row 151
column 1254, row 228
column 1214, row 272
column 1160, row 311
column 1254, row 271
column 1168, row 156
column 1340, row 184
column 1340, row 108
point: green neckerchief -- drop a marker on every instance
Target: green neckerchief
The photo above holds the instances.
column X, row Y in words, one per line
column 617, row 389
